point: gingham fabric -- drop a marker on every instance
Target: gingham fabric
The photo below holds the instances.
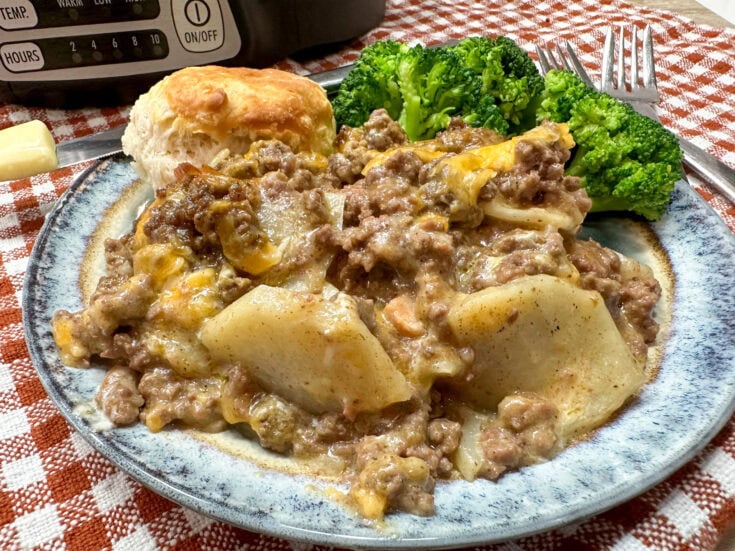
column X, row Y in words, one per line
column 58, row 493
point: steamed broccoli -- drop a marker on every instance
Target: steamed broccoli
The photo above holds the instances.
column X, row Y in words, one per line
column 488, row 82
column 371, row 84
column 506, row 73
column 626, row 161
column 481, row 110
column 562, row 91
column 433, row 85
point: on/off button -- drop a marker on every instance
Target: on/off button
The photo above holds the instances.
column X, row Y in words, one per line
column 197, row 12
column 199, row 24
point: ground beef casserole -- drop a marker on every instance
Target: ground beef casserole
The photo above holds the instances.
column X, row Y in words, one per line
column 420, row 312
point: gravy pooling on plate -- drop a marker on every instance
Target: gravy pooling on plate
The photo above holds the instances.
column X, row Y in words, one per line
column 417, row 311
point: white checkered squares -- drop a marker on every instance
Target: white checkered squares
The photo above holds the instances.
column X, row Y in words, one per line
column 720, row 465
column 23, row 472
column 196, row 521
column 6, row 199
column 6, row 379
column 17, row 265
column 63, row 132
column 10, row 220
column 139, row 540
column 80, row 445
column 20, row 115
column 112, row 492
column 683, row 513
column 43, row 186
column 14, row 423
column 629, row 543
column 38, row 527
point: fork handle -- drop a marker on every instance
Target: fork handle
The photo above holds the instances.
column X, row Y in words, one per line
column 718, row 174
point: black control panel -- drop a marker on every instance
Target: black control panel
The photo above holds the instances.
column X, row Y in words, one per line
column 41, row 14
column 64, row 52
column 84, row 51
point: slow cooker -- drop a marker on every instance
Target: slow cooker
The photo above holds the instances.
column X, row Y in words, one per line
column 77, row 52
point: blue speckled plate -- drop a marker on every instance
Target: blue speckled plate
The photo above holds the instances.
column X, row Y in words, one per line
column 674, row 417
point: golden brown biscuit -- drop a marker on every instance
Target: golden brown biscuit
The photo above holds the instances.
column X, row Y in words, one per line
column 194, row 113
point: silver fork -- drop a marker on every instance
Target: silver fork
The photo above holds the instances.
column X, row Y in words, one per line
column 633, row 89
column 641, row 93
column 562, row 61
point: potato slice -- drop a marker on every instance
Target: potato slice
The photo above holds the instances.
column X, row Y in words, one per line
column 179, row 347
column 309, row 349
column 468, row 457
column 543, row 334
column 567, row 219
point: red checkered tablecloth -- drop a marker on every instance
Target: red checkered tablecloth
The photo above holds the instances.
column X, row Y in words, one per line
column 58, row 493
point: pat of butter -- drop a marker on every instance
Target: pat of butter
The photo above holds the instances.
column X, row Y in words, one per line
column 25, row 150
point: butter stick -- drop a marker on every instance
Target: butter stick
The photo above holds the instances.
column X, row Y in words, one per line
column 26, row 149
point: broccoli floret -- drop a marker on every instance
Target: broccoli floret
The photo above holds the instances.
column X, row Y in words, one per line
column 597, row 118
column 488, row 82
column 480, row 110
column 626, row 161
column 596, row 124
column 370, row 85
column 507, row 74
column 644, row 188
column 563, row 90
column 651, row 142
column 433, row 85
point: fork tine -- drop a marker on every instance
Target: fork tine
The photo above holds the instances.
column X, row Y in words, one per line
column 578, row 67
column 634, row 85
column 621, row 59
column 649, row 67
column 608, row 55
column 542, row 61
column 569, row 61
column 552, row 59
column 563, row 58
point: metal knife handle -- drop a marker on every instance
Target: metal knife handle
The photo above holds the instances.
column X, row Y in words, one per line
column 92, row 146
column 330, row 80
column 715, row 172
